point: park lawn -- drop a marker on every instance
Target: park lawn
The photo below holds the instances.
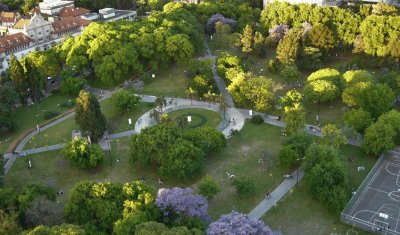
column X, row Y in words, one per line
column 211, row 118
column 25, row 117
column 168, row 82
column 116, row 122
column 241, row 157
column 59, row 133
column 51, row 169
column 300, row 213
column 95, row 82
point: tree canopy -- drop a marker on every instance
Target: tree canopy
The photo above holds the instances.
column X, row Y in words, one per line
column 89, row 117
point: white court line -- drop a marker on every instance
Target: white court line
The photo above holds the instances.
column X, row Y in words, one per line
column 366, row 189
column 379, row 190
column 395, row 165
column 366, row 223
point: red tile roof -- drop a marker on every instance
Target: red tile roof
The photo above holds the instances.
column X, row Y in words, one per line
column 73, row 12
column 8, row 17
column 69, row 23
column 10, row 41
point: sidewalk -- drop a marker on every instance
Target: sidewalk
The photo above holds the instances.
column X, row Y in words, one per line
column 276, row 195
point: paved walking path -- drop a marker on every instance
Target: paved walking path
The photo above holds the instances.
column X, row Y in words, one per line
column 238, row 115
column 19, row 149
column 220, row 82
column 176, row 104
column 275, row 196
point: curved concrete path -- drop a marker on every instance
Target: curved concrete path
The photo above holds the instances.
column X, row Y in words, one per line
column 177, row 104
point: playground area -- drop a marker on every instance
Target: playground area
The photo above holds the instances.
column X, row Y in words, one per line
column 375, row 206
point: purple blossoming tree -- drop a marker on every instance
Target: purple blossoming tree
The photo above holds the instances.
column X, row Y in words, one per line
column 278, row 32
column 182, row 202
column 218, row 18
column 236, row 223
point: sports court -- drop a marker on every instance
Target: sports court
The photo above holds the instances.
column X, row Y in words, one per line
column 376, row 204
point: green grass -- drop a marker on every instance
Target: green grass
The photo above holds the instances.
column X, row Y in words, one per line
column 59, row 133
column 25, row 117
column 200, row 117
column 169, row 82
column 116, row 122
column 300, row 213
column 239, row 157
column 95, row 82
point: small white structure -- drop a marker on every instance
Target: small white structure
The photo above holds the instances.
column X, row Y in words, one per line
column 53, row 7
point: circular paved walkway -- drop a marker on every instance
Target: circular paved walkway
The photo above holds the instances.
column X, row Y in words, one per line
column 174, row 104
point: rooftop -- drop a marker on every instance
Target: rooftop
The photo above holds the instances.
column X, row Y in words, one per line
column 8, row 16
column 22, row 23
column 69, row 23
column 10, row 41
column 73, row 12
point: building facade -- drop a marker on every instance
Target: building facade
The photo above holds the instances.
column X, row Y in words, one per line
column 37, row 28
column 12, row 44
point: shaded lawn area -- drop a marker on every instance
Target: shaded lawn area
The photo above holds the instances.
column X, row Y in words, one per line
column 300, row 213
column 95, row 82
column 241, row 158
column 25, row 117
column 169, row 82
column 116, row 122
column 200, row 117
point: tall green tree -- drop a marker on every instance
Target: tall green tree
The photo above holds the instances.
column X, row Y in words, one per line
column 289, row 47
column 321, row 37
column 125, row 100
column 295, row 117
column 332, row 136
column 358, row 119
column 9, row 223
column 17, row 75
column 99, row 205
column 383, row 134
column 246, row 40
column 89, row 117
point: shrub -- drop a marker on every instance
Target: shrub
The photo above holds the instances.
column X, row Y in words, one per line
column 244, row 185
column 257, row 119
column 68, row 104
column 208, row 187
column 50, row 114
column 272, row 66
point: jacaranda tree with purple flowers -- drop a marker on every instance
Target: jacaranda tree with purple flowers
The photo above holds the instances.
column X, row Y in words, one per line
column 218, row 18
column 179, row 202
column 238, row 224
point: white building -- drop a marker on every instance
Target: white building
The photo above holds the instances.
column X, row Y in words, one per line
column 53, row 7
column 36, row 28
column 110, row 14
